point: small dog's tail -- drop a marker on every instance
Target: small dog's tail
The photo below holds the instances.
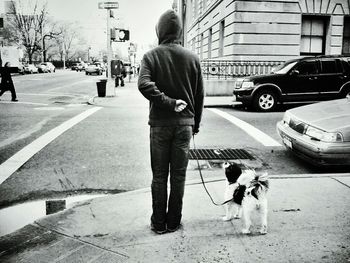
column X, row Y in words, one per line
column 259, row 184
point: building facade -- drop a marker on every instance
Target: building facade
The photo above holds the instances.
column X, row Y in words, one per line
column 265, row 30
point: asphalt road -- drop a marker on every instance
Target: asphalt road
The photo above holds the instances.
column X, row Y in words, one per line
column 108, row 150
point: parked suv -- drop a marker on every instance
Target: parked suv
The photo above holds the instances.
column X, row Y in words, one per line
column 304, row 79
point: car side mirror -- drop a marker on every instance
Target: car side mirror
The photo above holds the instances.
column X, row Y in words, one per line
column 294, row 72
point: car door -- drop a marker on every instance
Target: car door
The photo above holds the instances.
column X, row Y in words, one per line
column 303, row 81
column 331, row 78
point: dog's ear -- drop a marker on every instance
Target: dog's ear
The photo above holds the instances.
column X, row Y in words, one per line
column 255, row 192
column 263, row 180
column 235, row 169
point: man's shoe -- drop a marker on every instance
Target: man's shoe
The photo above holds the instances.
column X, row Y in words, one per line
column 15, row 100
column 173, row 229
column 158, row 231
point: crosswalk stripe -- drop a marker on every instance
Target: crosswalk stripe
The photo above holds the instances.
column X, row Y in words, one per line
column 251, row 130
column 11, row 165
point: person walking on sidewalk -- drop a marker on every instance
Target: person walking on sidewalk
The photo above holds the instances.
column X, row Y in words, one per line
column 6, row 82
column 120, row 73
column 171, row 79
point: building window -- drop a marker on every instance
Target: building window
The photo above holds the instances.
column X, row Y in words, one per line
column 313, row 35
column 194, row 9
column 221, row 38
column 306, row 68
column 204, row 5
column 210, row 42
column 194, row 44
column 346, row 36
column 201, row 47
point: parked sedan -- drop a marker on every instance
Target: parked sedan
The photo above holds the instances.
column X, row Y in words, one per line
column 50, row 67
column 45, row 67
column 42, row 68
column 94, row 68
column 30, row 69
column 318, row 133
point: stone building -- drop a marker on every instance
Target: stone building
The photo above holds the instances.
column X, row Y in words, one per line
column 248, row 37
column 265, row 30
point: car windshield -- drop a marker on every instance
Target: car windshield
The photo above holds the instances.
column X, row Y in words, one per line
column 284, row 68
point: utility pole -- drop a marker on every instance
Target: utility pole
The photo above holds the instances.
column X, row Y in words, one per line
column 110, row 89
column 64, row 55
column 88, row 57
column 42, row 44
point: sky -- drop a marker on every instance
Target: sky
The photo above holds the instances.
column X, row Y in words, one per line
column 138, row 16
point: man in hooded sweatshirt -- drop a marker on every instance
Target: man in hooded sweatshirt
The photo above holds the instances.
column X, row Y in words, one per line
column 171, row 79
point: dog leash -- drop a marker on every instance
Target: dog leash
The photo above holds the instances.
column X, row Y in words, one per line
column 203, row 183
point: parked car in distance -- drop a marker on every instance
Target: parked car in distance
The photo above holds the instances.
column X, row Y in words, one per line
column 50, row 67
column 42, row 68
column 94, row 68
column 78, row 66
column 306, row 79
column 20, row 68
column 30, row 69
column 45, row 67
column 74, row 66
column 318, row 133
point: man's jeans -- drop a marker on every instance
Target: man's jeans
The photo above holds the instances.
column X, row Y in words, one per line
column 117, row 78
column 169, row 149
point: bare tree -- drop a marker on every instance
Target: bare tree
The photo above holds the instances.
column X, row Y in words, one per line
column 29, row 25
column 70, row 43
column 50, row 33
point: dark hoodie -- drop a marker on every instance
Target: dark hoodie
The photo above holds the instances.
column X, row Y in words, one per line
column 170, row 72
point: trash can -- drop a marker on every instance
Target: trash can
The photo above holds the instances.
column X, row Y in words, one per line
column 101, row 88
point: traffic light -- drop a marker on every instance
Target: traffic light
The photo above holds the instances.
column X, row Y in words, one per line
column 123, row 35
column 1, row 22
column 119, row 35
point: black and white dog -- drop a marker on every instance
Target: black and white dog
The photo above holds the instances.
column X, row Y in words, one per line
column 246, row 191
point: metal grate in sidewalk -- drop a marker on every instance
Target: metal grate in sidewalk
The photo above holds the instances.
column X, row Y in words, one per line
column 219, row 154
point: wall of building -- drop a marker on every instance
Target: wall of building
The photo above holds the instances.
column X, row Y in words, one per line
column 259, row 30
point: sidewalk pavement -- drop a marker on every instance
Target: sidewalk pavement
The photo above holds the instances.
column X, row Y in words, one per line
column 308, row 221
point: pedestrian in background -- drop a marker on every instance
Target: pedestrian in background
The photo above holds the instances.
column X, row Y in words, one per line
column 6, row 81
column 171, row 79
column 120, row 73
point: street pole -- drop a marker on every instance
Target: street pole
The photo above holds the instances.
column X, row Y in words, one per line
column 64, row 55
column 110, row 90
column 42, row 44
column 88, row 58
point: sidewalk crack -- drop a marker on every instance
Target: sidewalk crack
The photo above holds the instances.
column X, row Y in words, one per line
column 83, row 241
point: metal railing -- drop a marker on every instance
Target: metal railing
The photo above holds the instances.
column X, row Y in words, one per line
column 224, row 69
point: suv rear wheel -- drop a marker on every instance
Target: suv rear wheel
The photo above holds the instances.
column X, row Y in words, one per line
column 346, row 92
column 265, row 100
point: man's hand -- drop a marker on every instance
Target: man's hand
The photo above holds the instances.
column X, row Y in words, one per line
column 180, row 105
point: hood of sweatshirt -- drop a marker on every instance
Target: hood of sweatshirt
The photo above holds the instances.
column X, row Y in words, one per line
column 169, row 28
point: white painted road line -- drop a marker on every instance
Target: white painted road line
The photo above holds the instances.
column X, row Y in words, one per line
column 17, row 160
column 51, row 94
column 23, row 102
column 251, row 130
